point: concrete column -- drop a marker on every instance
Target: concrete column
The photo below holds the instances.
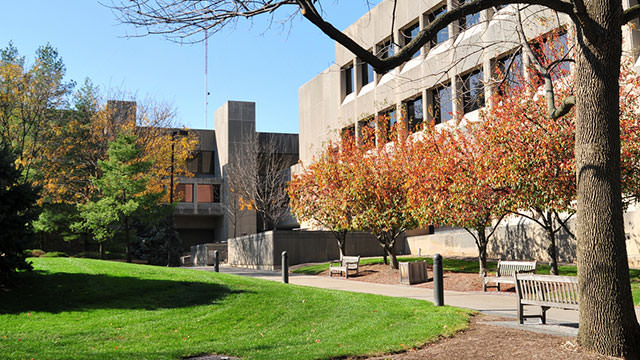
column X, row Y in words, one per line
column 453, row 27
column 456, row 97
column 427, row 106
column 488, row 65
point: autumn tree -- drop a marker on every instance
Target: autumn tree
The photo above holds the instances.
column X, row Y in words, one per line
column 607, row 320
column 123, row 194
column 453, row 183
column 320, row 195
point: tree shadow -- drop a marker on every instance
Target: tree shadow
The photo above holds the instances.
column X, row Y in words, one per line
column 58, row 292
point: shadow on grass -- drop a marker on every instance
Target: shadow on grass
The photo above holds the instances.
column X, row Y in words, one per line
column 57, row 292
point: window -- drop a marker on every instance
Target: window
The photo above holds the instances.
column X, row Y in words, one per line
column 367, row 131
column 384, row 50
column 442, row 104
column 184, row 192
column 366, row 72
column 508, row 72
column 388, row 120
column 443, row 34
column 549, row 49
column 347, row 75
column 414, row 114
column 208, row 193
column 468, row 20
column 408, row 34
column 348, row 133
column 203, row 162
column 472, row 91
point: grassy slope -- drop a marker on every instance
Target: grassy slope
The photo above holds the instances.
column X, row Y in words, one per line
column 91, row 309
column 471, row 266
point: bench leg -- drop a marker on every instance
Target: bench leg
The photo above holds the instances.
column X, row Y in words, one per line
column 520, row 314
column 498, row 286
column 543, row 317
column 484, row 286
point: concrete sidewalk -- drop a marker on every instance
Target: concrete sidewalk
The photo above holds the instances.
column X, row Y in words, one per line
column 559, row 322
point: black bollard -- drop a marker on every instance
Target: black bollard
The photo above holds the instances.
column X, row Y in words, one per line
column 216, row 261
column 438, row 293
column 285, row 267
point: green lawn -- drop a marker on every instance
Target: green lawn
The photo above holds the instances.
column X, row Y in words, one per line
column 73, row 308
column 471, row 266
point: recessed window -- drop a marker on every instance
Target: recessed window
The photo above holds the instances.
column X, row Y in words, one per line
column 443, row 34
column 550, row 49
column 347, row 76
column 414, row 115
column 388, row 119
column 184, row 192
column 508, row 72
column 367, row 132
column 208, row 193
column 441, row 108
column 203, row 162
column 384, row 50
column 366, row 74
column 409, row 33
column 348, row 133
column 472, row 91
column 468, row 20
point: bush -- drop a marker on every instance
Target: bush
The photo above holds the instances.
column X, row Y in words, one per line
column 33, row 253
column 52, row 254
column 88, row 255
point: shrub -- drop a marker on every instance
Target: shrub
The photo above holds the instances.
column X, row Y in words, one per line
column 54, row 254
column 33, row 253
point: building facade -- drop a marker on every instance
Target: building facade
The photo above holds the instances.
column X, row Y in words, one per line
column 205, row 210
column 450, row 79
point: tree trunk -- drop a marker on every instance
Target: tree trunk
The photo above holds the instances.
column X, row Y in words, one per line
column 551, row 251
column 341, row 237
column 101, row 250
column 392, row 257
column 482, row 250
column 608, row 322
column 127, row 239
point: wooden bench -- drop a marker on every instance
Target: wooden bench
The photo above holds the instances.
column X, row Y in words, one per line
column 505, row 272
column 344, row 265
column 546, row 291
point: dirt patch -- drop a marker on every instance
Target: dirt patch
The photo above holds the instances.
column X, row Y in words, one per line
column 486, row 341
column 383, row 274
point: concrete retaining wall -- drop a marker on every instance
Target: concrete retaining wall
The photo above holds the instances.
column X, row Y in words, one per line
column 263, row 250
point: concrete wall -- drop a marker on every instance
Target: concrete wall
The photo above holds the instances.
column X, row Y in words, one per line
column 263, row 250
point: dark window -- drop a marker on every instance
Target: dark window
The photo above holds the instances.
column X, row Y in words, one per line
column 509, row 72
column 388, row 119
column 442, row 104
column 203, row 162
column 208, row 193
column 443, row 34
column 409, row 34
column 549, row 50
column 384, row 50
column 347, row 72
column 367, row 73
column 367, row 132
column 468, row 20
column 348, row 133
column 472, row 91
column 414, row 114
column 184, row 192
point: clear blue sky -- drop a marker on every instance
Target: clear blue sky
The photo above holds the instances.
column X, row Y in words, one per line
column 245, row 63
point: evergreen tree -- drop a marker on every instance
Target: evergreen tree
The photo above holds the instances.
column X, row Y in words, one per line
column 123, row 197
column 17, row 210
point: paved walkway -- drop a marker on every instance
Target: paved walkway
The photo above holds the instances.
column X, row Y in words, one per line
column 559, row 322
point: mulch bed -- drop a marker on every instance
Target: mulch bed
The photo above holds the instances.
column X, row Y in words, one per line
column 486, row 341
column 383, row 274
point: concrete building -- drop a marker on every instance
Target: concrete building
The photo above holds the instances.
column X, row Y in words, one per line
column 448, row 80
column 203, row 213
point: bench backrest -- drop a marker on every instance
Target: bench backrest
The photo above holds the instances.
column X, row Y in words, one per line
column 350, row 262
column 510, row 267
column 547, row 288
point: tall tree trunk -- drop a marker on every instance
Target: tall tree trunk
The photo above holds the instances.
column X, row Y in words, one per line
column 552, row 251
column 482, row 250
column 101, row 250
column 608, row 322
column 127, row 239
column 341, row 237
